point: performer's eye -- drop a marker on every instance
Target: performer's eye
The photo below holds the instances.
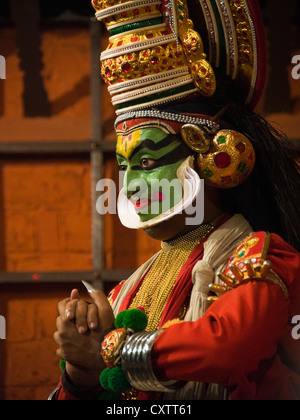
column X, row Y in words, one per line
column 147, row 163
column 122, row 167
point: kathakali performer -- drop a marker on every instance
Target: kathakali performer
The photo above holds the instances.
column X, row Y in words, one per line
column 210, row 316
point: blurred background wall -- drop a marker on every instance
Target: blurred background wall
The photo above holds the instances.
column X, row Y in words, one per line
column 56, row 142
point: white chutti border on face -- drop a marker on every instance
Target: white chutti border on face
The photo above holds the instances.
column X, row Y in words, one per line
column 193, row 189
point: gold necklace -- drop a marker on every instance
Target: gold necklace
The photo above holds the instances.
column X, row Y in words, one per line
column 160, row 279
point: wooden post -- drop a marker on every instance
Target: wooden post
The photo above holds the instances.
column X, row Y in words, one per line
column 26, row 16
column 96, row 152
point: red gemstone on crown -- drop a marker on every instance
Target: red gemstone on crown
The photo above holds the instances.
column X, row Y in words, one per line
column 154, row 59
column 126, row 67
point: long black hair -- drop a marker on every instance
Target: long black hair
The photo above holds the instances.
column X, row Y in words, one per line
column 270, row 198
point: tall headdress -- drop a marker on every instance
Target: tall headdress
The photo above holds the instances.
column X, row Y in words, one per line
column 162, row 53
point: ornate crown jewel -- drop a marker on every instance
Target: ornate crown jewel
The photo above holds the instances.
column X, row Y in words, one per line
column 156, row 55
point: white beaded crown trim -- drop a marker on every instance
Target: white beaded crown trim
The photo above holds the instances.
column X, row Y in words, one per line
column 169, row 116
column 148, row 80
column 136, row 94
column 119, row 8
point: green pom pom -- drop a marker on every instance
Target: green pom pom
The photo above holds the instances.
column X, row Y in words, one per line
column 119, row 319
column 62, row 365
column 104, row 378
column 136, row 320
column 117, row 381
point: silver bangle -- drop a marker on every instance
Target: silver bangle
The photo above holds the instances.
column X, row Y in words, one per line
column 136, row 363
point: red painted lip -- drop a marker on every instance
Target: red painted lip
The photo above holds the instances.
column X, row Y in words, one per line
column 140, row 204
column 145, row 202
column 158, row 196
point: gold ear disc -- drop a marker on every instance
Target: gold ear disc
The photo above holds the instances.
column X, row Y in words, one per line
column 229, row 162
column 196, row 138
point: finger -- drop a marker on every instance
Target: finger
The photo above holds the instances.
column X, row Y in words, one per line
column 81, row 316
column 75, row 294
column 62, row 306
column 100, row 299
column 60, row 354
column 58, row 322
column 105, row 312
column 56, row 337
column 92, row 317
column 70, row 310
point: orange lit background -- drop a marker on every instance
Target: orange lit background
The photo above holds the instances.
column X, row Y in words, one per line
column 45, row 201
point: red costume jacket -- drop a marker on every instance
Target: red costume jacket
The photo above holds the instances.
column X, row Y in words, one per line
column 244, row 341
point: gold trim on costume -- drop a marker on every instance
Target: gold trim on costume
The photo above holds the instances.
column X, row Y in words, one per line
column 248, row 263
column 160, row 279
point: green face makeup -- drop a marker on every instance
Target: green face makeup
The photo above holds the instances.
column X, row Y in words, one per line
column 150, row 159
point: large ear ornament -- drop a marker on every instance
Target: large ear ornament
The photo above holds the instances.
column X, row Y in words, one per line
column 229, row 162
column 197, row 138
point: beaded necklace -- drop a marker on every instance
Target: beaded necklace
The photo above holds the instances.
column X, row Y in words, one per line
column 160, row 279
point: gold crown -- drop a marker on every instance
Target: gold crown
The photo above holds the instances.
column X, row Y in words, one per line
column 156, row 56
column 115, row 13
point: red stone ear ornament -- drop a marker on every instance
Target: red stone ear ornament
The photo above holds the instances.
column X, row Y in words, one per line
column 226, row 158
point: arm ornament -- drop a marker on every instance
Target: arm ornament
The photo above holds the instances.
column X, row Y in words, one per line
column 127, row 323
column 127, row 354
column 136, row 363
column 248, row 263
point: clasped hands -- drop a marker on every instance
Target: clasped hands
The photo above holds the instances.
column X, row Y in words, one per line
column 80, row 327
